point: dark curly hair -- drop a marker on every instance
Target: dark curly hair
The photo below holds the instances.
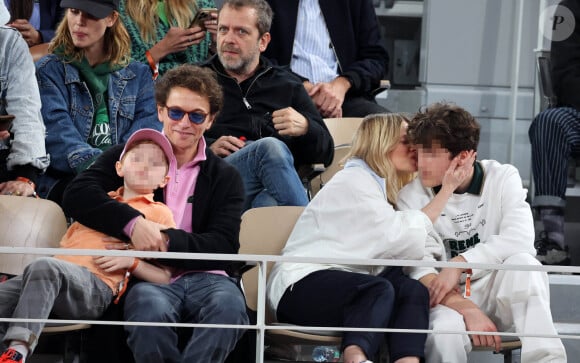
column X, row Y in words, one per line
column 446, row 124
column 194, row 78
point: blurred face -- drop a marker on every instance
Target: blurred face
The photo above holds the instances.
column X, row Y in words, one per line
column 404, row 156
column 239, row 43
column 86, row 31
column 144, row 168
column 433, row 163
column 183, row 133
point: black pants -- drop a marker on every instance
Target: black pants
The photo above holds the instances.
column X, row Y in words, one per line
column 347, row 299
column 359, row 106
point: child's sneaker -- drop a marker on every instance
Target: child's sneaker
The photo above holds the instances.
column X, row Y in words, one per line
column 11, row 356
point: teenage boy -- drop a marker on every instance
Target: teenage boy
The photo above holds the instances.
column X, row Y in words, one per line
column 486, row 220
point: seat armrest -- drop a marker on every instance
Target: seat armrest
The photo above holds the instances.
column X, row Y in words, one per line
column 384, row 85
column 307, row 173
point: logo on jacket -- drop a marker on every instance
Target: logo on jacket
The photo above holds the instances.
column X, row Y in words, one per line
column 454, row 247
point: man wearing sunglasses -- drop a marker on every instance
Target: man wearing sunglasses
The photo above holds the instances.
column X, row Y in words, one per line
column 206, row 197
column 268, row 124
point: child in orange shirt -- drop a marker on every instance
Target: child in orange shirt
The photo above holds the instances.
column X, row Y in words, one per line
column 82, row 287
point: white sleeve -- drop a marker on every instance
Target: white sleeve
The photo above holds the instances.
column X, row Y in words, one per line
column 516, row 228
column 414, row 197
column 351, row 217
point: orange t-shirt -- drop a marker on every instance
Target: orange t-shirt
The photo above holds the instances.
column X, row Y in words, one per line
column 79, row 236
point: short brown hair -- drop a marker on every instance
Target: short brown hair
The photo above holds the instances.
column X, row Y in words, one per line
column 194, row 78
column 263, row 10
column 447, row 124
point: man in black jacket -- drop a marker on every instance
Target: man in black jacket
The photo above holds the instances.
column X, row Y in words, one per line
column 206, row 196
column 335, row 45
column 268, row 123
column 555, row 135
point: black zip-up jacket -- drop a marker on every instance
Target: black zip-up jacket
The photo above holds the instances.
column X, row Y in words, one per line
column 354, row 33
column 217, row 207
column 248, row 109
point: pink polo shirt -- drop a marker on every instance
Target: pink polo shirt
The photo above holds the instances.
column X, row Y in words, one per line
column 179, row 191
column 179, row 194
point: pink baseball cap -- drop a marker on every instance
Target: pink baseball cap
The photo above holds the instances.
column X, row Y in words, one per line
column 150, row 135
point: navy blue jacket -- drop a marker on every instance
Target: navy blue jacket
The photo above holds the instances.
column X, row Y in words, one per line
column 565, row 57
column 354, row 32
column 50, row 15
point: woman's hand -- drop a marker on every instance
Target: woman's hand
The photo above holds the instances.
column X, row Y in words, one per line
column 177, row 40
column 459, row 169
column 211, row 26
column 446, row 281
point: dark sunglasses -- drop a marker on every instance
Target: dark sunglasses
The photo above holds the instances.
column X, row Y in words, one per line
column 176, row 114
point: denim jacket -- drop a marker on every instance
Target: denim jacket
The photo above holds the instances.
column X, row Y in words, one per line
column 19, row 96
column 67, row 108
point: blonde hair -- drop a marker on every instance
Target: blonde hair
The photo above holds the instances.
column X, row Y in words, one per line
column 376, row 137
column 145, row 15
column 116, row 47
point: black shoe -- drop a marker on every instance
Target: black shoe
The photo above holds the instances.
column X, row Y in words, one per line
column 550, row 253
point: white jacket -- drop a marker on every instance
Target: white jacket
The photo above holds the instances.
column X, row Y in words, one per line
column 4, row 14
column 484, row 228
column 349, row 218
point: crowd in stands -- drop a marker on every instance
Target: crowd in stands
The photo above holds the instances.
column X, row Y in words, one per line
column 155, row 131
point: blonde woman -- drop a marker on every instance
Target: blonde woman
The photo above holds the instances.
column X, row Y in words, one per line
column 93, row 96
column 161, row 31
column 354, row 216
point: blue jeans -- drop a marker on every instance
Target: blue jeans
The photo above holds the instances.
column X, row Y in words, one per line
column 268, row 173
column 201, row 298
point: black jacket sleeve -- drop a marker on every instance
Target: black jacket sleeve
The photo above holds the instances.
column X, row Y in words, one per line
column 565, row 59
column 355, row 33
column 316, row 146
column 217, row 209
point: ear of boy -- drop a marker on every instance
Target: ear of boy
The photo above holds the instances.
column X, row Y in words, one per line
column 463, row 157
column 119, row 168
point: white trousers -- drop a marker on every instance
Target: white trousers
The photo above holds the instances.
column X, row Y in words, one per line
column 515, row 301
